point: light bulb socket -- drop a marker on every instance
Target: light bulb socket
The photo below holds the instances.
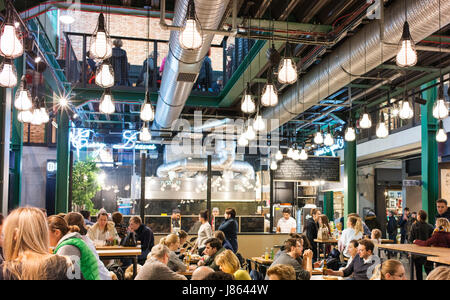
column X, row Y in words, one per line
column 406, row 35
column 191, row 10
column 101, row 23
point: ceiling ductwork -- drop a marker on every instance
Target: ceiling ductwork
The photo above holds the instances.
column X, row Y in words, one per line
column 328, row 77
column 183, row 66
column 222, row 160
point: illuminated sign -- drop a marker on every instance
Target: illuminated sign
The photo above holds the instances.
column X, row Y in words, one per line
column 338, row 145
column 80, row 139
column 51, row 166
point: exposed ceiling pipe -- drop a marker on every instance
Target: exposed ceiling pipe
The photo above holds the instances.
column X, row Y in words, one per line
column 183, row 66
column 328, row 77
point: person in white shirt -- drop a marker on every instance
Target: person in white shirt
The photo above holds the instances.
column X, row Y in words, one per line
column 354, row 231
column 286, row 224
column 204, row 232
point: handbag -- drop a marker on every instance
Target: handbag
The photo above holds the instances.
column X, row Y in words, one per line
column 323, row 233
column 129, row 240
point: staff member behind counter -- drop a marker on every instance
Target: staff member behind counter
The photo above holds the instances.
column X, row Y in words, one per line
column 286, row 224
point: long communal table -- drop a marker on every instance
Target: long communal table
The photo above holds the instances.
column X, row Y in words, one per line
column 412, row 249
column 118, row 252
column 439, row 259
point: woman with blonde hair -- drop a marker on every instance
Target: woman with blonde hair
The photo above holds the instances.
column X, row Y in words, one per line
column 26, row 248
column 229, row 263
column 391, row 269
column 67, row 241
column 440, row 237
column 172, row 241
column 440, row 273
column 354, row 231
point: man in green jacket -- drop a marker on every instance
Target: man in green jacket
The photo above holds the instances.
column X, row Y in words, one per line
column 212, row 250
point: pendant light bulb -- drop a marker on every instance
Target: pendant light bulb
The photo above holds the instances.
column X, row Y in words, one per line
column 105, row 75
column 144, row 134
column 350, row 134
column 329, row 140
column 440, row 109
column 10, row 44
column 106, row 103
column 36, row 118
column 318, row 138
column 296, row 155
column 242, row 141
column 269, row 96
column 273, row 165
column 25, row 116
column 191, row 36
column 303, row 155
column 259, row 124
column 23, row 97
column 290, row 153
column 248, row 105
column 441, row 135
column 8, row 75
column 406, row 111
column 406, row 55
column 147, row 113
column 287, row 70
column 45, row 118
column 250, row 133
column 101, row 46
column 365, row 121
column 395, row 111
column 279, row 155
column 382, row 131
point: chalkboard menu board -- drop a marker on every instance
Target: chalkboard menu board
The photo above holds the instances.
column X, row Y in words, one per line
column 314, row 168
column 252, row 223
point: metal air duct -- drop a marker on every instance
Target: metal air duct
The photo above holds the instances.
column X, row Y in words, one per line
column 328, row 77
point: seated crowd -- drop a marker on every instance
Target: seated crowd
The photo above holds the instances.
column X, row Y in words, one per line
column 63, row 247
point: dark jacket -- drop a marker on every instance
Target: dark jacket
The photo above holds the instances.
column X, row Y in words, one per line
column 438, row 239
column 392, row 225
column 311, row 229
column 230, row 229
column 119, row 63
column 210, row 262
column 372, row 222
column 143, row 75
column 121, row 230
column 226, row 244
column 420, row 231
column 402, row 223
column 145, row 236
column 409, row 225
column 444, row 215
column 358, row 268
column 1, row 255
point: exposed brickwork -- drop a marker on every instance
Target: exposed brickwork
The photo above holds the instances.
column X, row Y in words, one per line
column 131, row 26
column 37, row 134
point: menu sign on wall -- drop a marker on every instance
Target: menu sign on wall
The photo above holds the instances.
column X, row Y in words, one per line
column 445, row 184
column 314, row 168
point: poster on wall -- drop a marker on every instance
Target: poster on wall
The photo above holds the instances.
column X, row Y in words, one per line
column 445, row 184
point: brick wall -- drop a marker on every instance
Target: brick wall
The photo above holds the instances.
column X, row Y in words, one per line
column 131, row 26
column 37, row 133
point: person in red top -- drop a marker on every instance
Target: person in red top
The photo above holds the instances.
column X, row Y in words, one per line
column 440, row 237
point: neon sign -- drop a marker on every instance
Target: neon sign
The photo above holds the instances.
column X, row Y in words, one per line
column 80, row 139
column 338, row 145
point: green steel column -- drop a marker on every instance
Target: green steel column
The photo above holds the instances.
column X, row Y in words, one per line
column 328, row 205
column 349, row 179
column 62, row 157
column 17, row 144
column 430, row 167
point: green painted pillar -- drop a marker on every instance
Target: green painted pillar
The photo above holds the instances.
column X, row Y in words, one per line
column 430, row 167
column 63, row 160
column 328, row 205
column 17, row 143
column 349, row 179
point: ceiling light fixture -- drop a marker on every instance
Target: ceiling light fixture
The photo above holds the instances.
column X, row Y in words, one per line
column 8, row 74
column 104, row 76
column 106, row 103
column 406, row 111
column 269, row 95
column 23, row 99
column 382, row 130
column 441, row 135
column 287, row 70
column 191, row 37
column 147, row 113
column 11, row 46
column 248, row 105
column 101, row 46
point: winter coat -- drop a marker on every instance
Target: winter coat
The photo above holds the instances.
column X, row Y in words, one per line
column 438, row 239
column 95, row 233
column 230, row 229
column 420, row 231
column 372, row 223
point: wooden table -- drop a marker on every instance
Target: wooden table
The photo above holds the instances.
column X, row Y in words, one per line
column 324, row 243
column 439, row 259
column 122, row 252
column 118, row 248
column 261, row 264
column 416, row 250
column 386, row 241
column 320, row 277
